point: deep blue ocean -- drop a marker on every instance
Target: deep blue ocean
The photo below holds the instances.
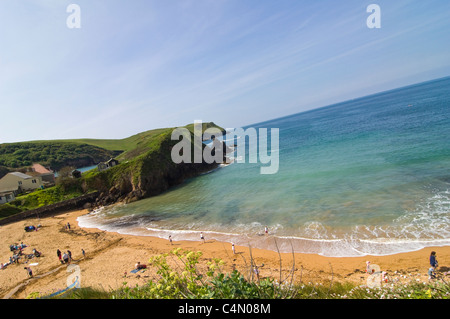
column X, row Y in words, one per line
column 365, row 176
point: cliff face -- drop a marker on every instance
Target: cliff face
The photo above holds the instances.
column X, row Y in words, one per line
column 148, row 175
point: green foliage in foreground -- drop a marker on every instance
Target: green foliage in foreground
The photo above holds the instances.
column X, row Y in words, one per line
column 187, row 282
column 191, row 284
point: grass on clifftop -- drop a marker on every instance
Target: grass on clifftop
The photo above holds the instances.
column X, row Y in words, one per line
column 138, row 144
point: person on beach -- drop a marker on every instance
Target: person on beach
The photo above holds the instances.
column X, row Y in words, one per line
column 433, row 264
column 202, row 238
column 256, row 270
column 431, row 273
column 233, row 249
column 139, row 266
column 170, row 239
column 30, row 272
column 65, row 258
column 266, row 230
column 83, row 252
column 70, row 255
column 36, row 253
column 433, row 260
column 58, row 252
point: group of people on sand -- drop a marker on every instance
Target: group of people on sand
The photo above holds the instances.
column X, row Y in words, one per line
column 433, row 265
column 66, row 257
column 233, row 248
column 202, row 238
column 18, row 253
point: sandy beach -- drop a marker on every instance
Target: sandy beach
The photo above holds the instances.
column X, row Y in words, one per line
column 110, row 257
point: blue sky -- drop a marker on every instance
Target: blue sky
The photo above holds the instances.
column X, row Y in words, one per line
column 139, row 65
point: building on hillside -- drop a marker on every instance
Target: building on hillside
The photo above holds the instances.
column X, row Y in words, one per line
column 105, row 165
column 112, row 162
column 76, row 173
column 48, row 176
column 7, row 196
column 20, row 182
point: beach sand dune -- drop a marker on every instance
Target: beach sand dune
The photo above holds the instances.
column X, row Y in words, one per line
column 110, row 257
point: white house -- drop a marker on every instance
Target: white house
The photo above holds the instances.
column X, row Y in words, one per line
column 105, row 165
column 17, row 181
column 6, row 197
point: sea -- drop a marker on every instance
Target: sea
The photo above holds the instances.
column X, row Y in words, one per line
column 368, row 176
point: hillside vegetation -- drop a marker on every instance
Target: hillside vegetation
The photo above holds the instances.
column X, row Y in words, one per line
column 55, row 154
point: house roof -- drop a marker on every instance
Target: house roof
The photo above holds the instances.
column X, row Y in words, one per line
column 40, row 169
column 21, row 175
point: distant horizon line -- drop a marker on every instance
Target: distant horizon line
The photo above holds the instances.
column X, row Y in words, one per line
column 348, row 100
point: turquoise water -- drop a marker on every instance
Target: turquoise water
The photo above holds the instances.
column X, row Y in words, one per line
column 366, row 176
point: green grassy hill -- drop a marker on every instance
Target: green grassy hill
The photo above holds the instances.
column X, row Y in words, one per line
column 135, row 145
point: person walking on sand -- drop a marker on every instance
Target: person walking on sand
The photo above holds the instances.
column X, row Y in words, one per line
column 30, row 272
column 266, row 230
column 58, row 252
column 433, row 264
column 65, row 258
column 170, row 239
column 433, row 260
column 83, row 252
column 202, row 238
column 256, row 270
column 233, row 249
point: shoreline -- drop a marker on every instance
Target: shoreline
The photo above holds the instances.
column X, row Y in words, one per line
column 111, row 256
column 330, row 248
